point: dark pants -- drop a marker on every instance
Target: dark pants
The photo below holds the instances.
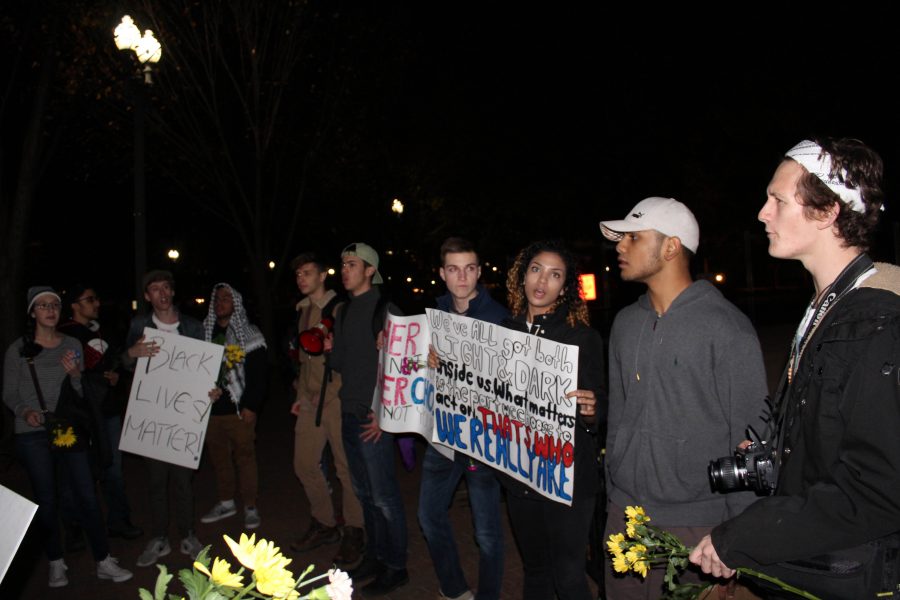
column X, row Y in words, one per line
column 47, row 470
column 552, row 539
column 161, row 474
column 374, row 476
column 440, row 477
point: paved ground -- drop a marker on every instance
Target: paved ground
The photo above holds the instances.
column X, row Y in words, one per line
column 285, row 514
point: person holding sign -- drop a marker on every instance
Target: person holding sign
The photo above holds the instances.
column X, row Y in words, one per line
column 461, row 270
column 545, row 299
column 239, row 392
column 39, row 369
column 159, row 291
column 686, row 378
column 370, row 451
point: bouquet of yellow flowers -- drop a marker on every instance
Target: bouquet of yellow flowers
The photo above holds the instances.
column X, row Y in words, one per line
column 234, row 355
column 642, row 546
column 269, row 578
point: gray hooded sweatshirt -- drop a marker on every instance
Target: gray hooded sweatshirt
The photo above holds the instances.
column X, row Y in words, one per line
column 683, row 387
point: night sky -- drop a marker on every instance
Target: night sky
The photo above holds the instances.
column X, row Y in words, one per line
column 506, row 124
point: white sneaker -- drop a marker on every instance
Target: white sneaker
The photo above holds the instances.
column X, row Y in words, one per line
column 466, row 595
column 156, row 548
column 191, row 545
column 58, row 573
column 222, row 510
column 109, row 568
column 251, row 518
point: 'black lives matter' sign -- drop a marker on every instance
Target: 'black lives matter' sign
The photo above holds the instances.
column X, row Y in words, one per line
column 168, row 408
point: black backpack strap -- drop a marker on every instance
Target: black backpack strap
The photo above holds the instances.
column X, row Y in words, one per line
column 327, row 311
column 378, row 316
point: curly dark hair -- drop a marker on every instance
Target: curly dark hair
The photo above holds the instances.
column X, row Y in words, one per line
column 859, row 166
column 571, row 295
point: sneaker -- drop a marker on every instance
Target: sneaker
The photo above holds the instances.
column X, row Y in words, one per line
column 191, row 545
column 58, row 573
column 109, row 568
column 251, row 518
column 386, row 582
column 353, row 544
column 466, row 595
column 222, row 510
column 155, row 548
column 317, row 535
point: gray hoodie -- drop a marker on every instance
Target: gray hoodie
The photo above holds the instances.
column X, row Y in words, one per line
column 682, row 389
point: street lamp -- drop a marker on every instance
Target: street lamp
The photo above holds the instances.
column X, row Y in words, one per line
column 148, row 51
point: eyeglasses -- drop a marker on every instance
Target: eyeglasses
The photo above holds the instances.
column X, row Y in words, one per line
column 91, row 299
column 52, row 306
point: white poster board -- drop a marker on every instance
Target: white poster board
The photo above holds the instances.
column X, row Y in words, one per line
column 168, row 408
column 15, row 516
column 498, row 396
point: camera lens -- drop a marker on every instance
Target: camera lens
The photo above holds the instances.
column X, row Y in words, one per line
column 724, row 474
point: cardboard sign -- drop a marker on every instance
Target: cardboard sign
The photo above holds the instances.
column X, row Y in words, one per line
column 168, row 408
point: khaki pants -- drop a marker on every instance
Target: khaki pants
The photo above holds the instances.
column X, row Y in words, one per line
column 231, row 443
column 309, row 442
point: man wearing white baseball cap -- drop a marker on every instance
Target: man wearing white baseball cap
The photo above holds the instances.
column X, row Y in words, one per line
column 686, row 378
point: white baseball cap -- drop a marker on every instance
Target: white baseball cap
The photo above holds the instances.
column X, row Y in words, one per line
column 666, row 215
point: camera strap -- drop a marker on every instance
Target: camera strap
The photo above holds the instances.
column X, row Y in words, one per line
column 848, row 280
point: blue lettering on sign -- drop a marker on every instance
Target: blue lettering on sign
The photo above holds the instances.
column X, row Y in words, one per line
column 449, row 428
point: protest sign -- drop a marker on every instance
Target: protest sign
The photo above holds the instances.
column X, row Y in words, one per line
column 15, row 516
column 500, row 397
column 404, row 396
column 168, row 407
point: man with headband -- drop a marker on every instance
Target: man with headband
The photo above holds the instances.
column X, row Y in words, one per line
column 686, row 378
column 837, row 501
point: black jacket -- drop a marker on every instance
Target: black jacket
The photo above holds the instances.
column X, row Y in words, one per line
column 839, row 483
column 591, row 371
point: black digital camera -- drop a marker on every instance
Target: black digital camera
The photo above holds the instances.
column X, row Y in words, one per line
column 752, row 468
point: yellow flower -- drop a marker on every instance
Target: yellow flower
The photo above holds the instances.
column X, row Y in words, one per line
column 275, row 581
column 616, row 544
column 636, row 515
column 221, row 574
column 64, row 439
column 255, row 555
column 636, row 557
column 620, row 564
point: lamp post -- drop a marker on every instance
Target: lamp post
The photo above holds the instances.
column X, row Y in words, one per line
column 148, row 51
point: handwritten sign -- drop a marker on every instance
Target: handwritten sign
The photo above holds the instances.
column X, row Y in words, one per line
column 15, row 516
column 404, row 395
column 498, row 395
column 168, row 408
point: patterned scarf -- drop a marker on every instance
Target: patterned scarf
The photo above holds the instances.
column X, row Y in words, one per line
column 241, row 333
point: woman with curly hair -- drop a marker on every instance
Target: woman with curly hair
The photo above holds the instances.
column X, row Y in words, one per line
column 38, row 369
column 545, row 300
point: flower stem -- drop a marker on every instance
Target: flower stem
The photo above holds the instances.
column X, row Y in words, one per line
column 778, row 582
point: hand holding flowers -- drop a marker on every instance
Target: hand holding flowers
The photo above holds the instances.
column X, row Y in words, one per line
column 647, row 545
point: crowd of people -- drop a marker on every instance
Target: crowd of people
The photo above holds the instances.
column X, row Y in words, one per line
column 683, row 383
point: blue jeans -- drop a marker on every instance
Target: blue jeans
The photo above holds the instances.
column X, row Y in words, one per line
column 373, row 473
column 440, row 478
column 46, row 470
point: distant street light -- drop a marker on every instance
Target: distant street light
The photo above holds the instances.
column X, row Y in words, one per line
column 173, row 254
column 147, row 51
column 397, row 207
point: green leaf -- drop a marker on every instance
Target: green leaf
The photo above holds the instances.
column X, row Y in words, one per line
column 144, row 594
column 162, row 582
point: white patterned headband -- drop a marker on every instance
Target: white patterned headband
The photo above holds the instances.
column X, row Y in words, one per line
column 818, row 162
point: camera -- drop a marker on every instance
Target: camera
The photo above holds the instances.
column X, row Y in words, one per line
column 313, row 339
column 751, row 468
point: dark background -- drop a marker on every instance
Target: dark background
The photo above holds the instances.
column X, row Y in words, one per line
column 493, row 121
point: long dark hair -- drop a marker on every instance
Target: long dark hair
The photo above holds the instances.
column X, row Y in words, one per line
column 30, row 348
column 570, row 298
